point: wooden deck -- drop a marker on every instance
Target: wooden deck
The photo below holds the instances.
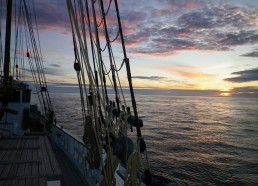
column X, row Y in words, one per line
column 34, row 161
column 28, row 160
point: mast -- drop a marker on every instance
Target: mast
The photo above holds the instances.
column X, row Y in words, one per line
column 7, row 41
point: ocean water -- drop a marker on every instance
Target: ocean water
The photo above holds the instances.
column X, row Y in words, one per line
column 190, row 140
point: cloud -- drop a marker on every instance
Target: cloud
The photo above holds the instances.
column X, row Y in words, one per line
column 244, row 76
column 55, row 65
column 53, row 71
column 154, row 78
column 53, row 14
column 197, row 26
column 167, row 27
column 249, row 91
column 60, row 84
column 189, row 72
column 251, row 54
column 237, row 38
column 50, row 14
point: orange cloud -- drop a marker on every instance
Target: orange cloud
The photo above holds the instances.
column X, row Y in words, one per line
column 183, row 34
column 190, row 72
column 195, row 75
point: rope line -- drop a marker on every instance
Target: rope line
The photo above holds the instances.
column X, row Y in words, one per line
column 98, row 76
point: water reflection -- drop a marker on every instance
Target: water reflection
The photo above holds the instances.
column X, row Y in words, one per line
column 191, row 140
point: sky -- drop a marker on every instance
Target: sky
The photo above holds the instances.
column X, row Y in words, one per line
column 186, row 47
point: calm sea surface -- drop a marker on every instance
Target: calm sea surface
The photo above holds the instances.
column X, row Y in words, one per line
column 190, row 140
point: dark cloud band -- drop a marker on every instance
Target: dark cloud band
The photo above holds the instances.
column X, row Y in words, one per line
column 251, row 54
column 148, row 77
column 244, row 76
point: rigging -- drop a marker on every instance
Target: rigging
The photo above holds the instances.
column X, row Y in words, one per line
column 107, row 120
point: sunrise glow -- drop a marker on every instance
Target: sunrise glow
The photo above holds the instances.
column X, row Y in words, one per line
column 225, row 94
column 190, row 45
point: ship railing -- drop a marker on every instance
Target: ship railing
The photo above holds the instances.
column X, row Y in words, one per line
column 74, row 148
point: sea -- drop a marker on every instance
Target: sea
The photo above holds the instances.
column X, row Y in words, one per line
column 190, row 140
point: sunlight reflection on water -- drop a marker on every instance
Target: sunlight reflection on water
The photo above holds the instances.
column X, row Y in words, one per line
column 191, row 140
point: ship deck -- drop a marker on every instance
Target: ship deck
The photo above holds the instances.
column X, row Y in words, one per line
column 34, row 161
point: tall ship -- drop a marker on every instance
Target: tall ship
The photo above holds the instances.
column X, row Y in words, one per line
column 34, row 148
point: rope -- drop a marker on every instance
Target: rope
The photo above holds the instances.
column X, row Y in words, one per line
column 99, row 123
column 117, row 34
column 1, row 48
column 128, row 68
column 104, row 48
column 36, row 72
column 24, row 26
column 101, row 70
column 108, row 7
column 99, row 56
column 40, row 54
column 109, row 52
column 106, row 12
column 107, row 72
column 133, row 169
column 88, row 70
column 75, row 27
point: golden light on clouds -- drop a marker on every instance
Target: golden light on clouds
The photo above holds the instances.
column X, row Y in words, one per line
column 197, row 78
column 190, row 72
column 225, row 94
